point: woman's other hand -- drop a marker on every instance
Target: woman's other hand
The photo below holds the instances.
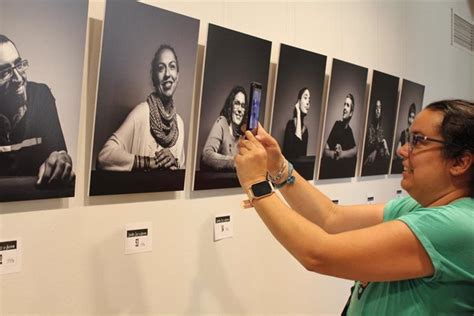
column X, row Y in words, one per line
column 275, row 158
column 164, row 159
column 251, row 161
column 297, row 107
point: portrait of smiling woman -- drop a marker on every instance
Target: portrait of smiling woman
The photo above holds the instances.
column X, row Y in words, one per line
column 152, row 135
column 227, row 77
column 221, row 143
column 144, row 98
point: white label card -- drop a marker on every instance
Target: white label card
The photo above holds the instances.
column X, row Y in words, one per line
column 138, row 238
column 223, row 227
column 10, row 256
column 370, row 198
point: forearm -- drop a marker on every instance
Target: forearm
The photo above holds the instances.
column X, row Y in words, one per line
column 308, row 201
column 113, row 157
column 217, row 161
column 385, row 252
column 350, row 153
column 329, row 153
column 311, row 203
column 304, row 240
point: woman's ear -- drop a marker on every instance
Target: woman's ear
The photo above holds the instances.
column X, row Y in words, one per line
column 462, row 164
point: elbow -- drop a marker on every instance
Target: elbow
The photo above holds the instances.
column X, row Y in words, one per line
column 102, row 160
column 318, row 259
column 313, row 263
column 105, row 158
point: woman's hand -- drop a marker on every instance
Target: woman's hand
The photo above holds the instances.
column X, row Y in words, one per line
column 275, row 158
column 251, row 161
column 297, row 107
column 164, row 159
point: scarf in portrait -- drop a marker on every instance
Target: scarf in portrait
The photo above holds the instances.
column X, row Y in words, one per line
column 163, row 122
column 7, row 126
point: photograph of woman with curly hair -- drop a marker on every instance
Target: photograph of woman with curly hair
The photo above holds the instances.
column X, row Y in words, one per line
column 221, row 143
column 228, row 74
column 380, row 124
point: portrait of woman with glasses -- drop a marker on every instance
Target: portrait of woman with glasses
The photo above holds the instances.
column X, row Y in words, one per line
column 410, row 256
column 221, row 143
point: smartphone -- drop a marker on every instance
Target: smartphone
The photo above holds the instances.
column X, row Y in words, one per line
column 254, row 106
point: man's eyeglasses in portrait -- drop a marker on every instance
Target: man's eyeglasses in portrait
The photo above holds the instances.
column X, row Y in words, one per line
column 8, row 73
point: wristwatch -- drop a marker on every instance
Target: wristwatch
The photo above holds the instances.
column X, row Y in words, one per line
column 260, row 189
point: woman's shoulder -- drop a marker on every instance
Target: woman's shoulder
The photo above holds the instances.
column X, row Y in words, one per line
column 140, row 111
column 399, row 206
column 221, row 120
column 462, row 208
column 290, row 124
column 179, row 119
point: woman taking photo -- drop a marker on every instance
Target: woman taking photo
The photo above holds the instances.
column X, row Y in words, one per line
column 410, row 256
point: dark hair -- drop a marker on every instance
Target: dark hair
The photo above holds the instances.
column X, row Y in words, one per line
column 457, row 129
column 350, row 96
column 154, row 62
column 376, row 121
column 4, row 39
column 227, row 108
column 300, row 94
column 411, row 109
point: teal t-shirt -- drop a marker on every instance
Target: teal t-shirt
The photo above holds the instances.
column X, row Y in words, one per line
column 447, row 234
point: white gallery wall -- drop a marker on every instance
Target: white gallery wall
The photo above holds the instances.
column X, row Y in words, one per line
column 73, row 258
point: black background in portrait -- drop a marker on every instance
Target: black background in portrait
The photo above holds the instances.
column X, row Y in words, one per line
column 298, row 68
column 412, row 92
column 345, row 78
column 51, row 35
column 232, row 58
column 132, row 33
column 385, row 89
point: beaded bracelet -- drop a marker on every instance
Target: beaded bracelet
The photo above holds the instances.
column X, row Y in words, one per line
column 146, row 162
column 290, row 179
column 279, row 174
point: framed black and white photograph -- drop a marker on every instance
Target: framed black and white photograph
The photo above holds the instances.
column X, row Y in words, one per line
column 380, row 124
column 298, row 106
column 233, row 61
column 411, row 102
column 42, row 45
column 144, row 99
column 344, row 121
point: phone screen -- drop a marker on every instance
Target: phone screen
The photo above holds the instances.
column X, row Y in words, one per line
column 254, row 108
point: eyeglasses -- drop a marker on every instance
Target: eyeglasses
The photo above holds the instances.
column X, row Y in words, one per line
column 8, row 73
column 414, row 139
column 241, row 104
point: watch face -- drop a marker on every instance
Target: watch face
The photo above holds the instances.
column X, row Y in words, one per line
column 261, row 188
